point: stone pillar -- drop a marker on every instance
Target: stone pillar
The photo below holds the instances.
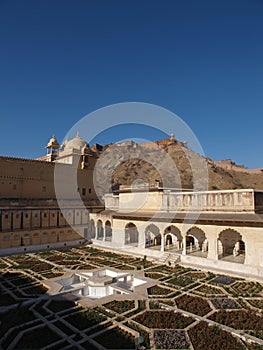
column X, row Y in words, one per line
column 184, row 246
column 96, row 230
column 162, row 243
column 212, row 248
column 104, row 232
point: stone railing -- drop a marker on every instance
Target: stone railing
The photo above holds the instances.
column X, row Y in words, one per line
column 246, row 200
column 228, row 200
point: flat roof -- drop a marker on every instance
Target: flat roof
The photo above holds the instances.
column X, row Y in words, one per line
column 238, row 219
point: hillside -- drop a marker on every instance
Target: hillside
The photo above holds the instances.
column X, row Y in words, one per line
column 145, row 162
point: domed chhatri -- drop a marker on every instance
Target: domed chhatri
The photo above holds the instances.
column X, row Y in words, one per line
column 53, row 143
column 52, row 149
column 76, row 143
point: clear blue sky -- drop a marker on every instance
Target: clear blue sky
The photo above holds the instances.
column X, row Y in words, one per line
column 201, row 59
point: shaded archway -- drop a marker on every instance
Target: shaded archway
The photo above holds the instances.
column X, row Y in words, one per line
column 230, row 244
column 131, row 234
column 152, row 236
column 100, row 231
column 168, row 239
column 190, row 241
column 108, row 231
column 196, row 241
column 173, row 237
column 92, row 231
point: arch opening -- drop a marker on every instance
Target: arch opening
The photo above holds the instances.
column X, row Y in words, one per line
column 131, row 234
column 108, row 231
column 152, row 236
column 172, row 238
column 231, row 246
column 92, row 231
column 196, row 242
column 100, row 231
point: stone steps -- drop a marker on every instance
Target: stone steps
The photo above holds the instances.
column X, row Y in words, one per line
column 169, row 259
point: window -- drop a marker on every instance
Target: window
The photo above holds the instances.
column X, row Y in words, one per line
column 89, row 190
column 44, row 189
column 83, row 191
column 45, row 215
column 6, row 216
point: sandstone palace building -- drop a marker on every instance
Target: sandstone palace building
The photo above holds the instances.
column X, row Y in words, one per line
column 29, row 213
column 221, row 229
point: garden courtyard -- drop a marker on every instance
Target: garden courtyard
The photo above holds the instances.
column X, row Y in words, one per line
column 183, row 308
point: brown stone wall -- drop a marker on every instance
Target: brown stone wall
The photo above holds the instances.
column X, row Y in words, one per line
column 25, row 178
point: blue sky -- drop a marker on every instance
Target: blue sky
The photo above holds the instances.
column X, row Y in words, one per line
column 202, row 60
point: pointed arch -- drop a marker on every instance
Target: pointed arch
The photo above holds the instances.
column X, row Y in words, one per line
column 230, row 243
column 131, row 234
column 196, row 240
column 92, row 231
column 108, row 231
column 152, row 235
column 100, row 230
column 173, row 237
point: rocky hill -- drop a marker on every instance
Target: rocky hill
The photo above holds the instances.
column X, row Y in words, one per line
column 129, row 162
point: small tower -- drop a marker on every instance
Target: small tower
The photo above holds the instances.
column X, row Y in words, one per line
column 52, row 149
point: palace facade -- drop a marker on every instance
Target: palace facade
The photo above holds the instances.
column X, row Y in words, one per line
column 30, row 215
column 212, row 229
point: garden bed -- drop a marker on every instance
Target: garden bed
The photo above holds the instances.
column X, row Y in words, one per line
column 154, row 275
column 35, row 290
column 205, row 337
column 60, row 305
column 37, row 338
column 181, row 281
column 209, row 290
column 225, row 303
column 238, row 319
column 170, row 339
column 195, row 305
column 247, row 288
column 223, row 280
column 83, row 320
column 157, row 290
column 116, row 338
column 120, row 306
column 163, row 319
column 258, row 303
column 196, row 276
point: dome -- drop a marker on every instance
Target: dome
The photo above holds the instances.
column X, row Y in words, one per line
column 76, row 143
column 52, row 143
